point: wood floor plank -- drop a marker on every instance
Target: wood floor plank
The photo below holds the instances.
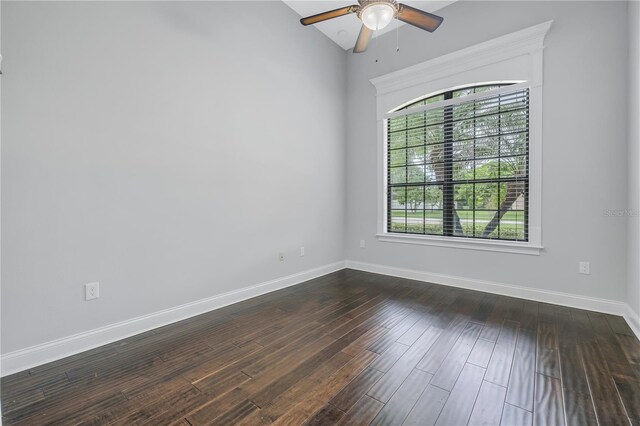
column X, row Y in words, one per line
column 364, row 341
column 388, row 340
column 362, row 413
column 319, row 397
column 355, row 390
column 139, row 398
column 619, row 325
column 489, row 404
column 426, row 410
column 450, row 369
column 631, row 348
column 547, row 356
column 21, row 400
column 389, row 357
column 515, row 416
column 579, row 409
column 520, row 391
column 303, row 388
column 328, row 415
column 608, row 406
column 481, row 353
column 629, row 391
column 502, row 358
column 233, row 416
column 493, row 324
column 459, row 405
column 392, row 380
column 448, row 338
column 414, row 333
column 548, row 408
column 396, row 410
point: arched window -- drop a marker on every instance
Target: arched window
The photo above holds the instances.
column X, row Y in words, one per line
column 458, row 164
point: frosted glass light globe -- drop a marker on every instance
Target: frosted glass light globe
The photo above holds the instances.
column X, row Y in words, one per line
column 377, row 15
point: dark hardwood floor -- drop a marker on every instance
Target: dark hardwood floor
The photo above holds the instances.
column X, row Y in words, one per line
column 350, row 348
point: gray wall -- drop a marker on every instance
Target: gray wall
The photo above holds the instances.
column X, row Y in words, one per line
column 633, row 255
column 171, row 159
column 167, row 150
column 584, row 145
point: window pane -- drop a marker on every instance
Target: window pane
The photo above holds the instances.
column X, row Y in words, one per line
column 398, row 157
column 433, row 197
column 435, row 134
column 463, row 150
column 463, row 196
column 397, row 175
column 488, row 125
column 415, row 198
column 415, row 221
column 463, row 170
column 415, row 174
column 486, row 196
column 397, row 139
column 515, row 121
column 487, row 169
column 513, row 167
column 415, row 155
column 512, row 225
column 397, row 124
column 463, row 92
column 435, row 116
column 434, row 172
column 416, row 136
column 416, row 120
column 466, row 222
column 433, row 222
column 397, row 198
column 487, row 147
column 398, row 221
column 513, row 144
column 434, row 153
column 485, row 224
column 415, row 104
column 422, row 102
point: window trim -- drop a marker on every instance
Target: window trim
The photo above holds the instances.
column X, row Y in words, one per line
column 514, row 57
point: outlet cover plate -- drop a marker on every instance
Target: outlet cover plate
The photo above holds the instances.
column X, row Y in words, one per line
column 91, row 291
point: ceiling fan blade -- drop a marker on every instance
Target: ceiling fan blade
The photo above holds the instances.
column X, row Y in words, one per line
column 328, row 15
column 363, row 39
column 419, row 18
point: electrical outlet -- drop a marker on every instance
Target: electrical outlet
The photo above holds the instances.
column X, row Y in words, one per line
column 362, row 244
column 91, row 291
column 281, row 256
column 301, row 251
column 585, row 268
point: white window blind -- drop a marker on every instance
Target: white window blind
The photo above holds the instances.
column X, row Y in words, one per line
column 458, row 164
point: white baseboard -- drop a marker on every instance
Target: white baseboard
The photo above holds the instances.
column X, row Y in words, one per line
column 538, row 295
column 633, row 319
column 23, row 359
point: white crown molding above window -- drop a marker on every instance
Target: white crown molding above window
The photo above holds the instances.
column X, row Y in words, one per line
column 489, row 52
column 514, row 58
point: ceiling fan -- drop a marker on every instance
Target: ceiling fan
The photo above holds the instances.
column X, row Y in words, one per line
column 377, row 14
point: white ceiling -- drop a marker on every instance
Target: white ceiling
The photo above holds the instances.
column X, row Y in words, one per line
column 344, row 30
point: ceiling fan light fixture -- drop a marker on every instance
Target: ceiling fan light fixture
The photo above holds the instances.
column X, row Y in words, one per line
column 377, row 15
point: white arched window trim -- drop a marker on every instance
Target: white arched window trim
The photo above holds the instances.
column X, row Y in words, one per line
column 515, row 57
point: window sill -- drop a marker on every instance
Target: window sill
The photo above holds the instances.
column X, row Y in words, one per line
column 463, row 243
